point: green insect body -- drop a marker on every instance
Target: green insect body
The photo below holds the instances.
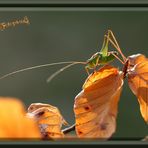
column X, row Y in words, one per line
column 101, row 58
column 107, row 59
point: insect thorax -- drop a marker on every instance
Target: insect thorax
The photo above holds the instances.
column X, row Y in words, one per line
column 106, row 59
column 99, row 59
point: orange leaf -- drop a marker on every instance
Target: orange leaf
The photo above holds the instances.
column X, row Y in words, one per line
column 13, row 120
column 138, row 81
column 96, row 105
column 135, row 59
column 48, row 118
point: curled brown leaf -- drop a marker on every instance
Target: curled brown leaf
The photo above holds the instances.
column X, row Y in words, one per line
column 48, row 118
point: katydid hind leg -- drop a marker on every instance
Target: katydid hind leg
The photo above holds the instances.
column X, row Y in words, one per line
column 114, row 42
column 104, row 49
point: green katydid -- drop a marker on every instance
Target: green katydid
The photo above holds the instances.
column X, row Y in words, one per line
column 100, row 58
column 104, row 56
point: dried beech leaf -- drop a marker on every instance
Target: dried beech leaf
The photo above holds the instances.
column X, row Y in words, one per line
column 135, row 59
column 35, row 106
column 96, row 105
column 13, row 120
column 48, row 118
column 138, row 82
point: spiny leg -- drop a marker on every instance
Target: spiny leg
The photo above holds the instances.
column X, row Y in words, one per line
column 115, row 44
column 111, row 41
column 104, row 49
column 116, row 48
column 114, row 39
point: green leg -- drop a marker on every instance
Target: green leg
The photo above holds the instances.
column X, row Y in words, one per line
column 97, row 63
column 87, row 70
column 104, row 49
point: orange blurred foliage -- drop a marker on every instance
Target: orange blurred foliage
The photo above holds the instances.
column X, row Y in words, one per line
column 13, row 120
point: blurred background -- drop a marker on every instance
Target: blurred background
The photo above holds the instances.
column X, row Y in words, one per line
column 56, row 35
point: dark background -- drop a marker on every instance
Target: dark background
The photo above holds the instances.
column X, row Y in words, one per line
column 66, row 34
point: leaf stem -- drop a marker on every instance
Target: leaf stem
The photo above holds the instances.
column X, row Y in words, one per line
column 69, row 129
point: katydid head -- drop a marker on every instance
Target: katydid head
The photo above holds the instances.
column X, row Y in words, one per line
column 114, row 53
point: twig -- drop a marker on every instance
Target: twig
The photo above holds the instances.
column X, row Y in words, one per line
column 69, row 129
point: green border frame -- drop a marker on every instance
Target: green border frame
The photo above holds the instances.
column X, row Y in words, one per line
column 74, row 1
column 74, row 4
